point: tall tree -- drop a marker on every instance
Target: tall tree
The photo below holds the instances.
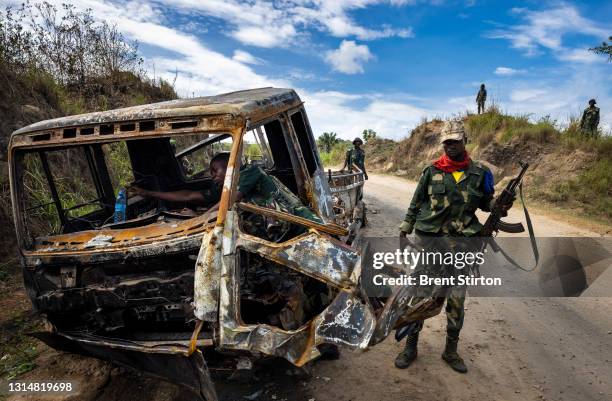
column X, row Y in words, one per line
column 604, row 49
column 327, row 140
column 368, row 134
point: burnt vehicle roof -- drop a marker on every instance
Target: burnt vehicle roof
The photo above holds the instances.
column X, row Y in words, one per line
column 253, row 104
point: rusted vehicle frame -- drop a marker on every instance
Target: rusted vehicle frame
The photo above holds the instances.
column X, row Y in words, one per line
column 323, row 251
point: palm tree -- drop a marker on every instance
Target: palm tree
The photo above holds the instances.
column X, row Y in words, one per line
column 327, row 141
column 368, row 134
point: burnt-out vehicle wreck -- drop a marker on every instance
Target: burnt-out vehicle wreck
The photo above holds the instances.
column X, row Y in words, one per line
column 159, row 289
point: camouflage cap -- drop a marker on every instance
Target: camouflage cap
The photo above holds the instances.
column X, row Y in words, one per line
column 452, row 131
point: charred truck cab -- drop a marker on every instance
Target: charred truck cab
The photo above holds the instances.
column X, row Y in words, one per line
column 160, row 288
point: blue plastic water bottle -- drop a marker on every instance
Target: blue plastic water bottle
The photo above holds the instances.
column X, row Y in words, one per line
column 120, row 206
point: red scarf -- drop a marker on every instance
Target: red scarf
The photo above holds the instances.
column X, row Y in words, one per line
column 448, row 165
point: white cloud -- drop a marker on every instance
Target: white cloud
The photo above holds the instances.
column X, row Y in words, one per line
column 462, row 103
column 545, row 29
column 264, row 36
column 246, row 58
column 278, row 24
column 202, row 71
column 521, row 95
column 562, row 97
column 336, row 112
column 579, row 56
column 349, row 57
column 507, row 71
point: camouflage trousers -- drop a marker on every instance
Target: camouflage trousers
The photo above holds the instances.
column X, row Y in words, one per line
column 455, row 312
column 481, row 107
column 453, row 295
column 589, row 132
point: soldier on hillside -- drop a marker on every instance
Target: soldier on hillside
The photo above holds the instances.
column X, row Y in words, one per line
column 590, row 119
column 442, row 211
column 356, row 157
column 481, row 98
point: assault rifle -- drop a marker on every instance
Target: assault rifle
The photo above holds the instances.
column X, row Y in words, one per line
column 494, row 223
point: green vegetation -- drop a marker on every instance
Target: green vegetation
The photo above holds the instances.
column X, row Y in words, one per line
column 368, row 134
column 54, row 63
column 326, row 141
column 604, row 49
column 570, row 169
column 484, row 128
column 18, row 350
column 119, row 166
column 589, row 190
column 336, row 155
column 62, row 62
column 252, row 151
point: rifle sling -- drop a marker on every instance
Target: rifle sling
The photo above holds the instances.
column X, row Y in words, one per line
column 534, row 245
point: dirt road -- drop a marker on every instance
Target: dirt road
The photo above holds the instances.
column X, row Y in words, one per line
column 515, row 348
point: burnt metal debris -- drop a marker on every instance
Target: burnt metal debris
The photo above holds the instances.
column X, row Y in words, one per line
column 160, row 290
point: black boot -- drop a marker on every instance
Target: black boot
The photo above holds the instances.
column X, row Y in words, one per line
column 409, row 354
column 451, row 356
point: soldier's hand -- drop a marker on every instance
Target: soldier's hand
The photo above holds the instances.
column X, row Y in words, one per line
column 134, row 190
column 505, row 207
column 405, row 229
column 366, row 176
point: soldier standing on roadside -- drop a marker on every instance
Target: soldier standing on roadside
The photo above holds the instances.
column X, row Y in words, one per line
column 356, row 157
column 443, row 208
column 481, row 98
column 590, row 119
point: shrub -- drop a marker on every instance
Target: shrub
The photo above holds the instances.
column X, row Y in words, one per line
column 336, row 156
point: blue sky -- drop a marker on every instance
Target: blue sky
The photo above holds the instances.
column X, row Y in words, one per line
column 381, row 64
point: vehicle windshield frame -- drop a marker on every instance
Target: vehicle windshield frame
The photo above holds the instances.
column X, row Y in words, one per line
column 17, row 154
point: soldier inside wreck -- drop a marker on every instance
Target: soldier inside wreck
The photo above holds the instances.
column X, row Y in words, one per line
column 254, row 186
column 270, row 293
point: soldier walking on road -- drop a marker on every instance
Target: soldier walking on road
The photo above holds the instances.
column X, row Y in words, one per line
column 590, row 119
column 356, row 157
column 481, row 98
column 443, row 209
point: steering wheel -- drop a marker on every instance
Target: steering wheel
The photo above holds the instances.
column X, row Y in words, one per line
column 160, row 205
column 75, row 218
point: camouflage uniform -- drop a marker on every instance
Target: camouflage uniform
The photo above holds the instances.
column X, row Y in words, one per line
column 590, row 120
column 264, row 190
column 481, row 98
column 356, row 157
column 442, row 206
column 442, row 209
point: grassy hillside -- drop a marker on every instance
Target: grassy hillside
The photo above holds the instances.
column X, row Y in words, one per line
column 53, row 66
column 567, row 169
